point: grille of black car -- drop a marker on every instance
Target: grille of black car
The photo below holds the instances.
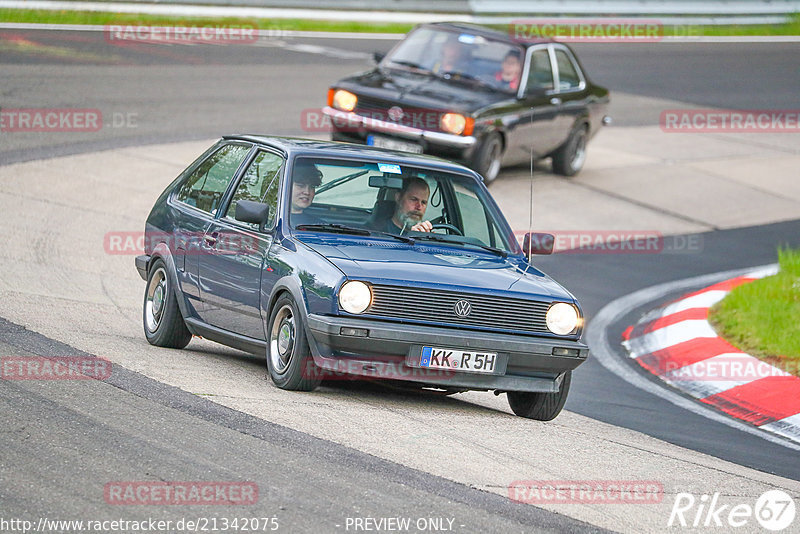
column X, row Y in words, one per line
column 439, row 306
column 420, row 118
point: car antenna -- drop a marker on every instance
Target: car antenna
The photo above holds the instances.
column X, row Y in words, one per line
column 530, row 205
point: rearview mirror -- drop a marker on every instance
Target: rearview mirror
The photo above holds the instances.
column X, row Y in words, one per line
column 377, row 57
column 392, row 182
column 537, row 243
column 252, row 212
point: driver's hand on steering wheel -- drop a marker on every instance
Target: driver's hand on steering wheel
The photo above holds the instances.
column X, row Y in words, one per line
column 422, row 226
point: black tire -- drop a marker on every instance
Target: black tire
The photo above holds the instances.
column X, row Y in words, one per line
column 569, row 158
column 486, row 160
column 161, row 316
column 289, row 359
column 540, row 406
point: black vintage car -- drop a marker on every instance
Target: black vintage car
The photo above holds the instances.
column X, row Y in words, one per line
column 473, row 95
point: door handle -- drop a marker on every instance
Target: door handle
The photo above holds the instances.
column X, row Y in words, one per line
column 555, row 101
column 210, row 239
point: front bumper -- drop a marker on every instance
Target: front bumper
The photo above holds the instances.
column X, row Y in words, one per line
column 358, row 125
column 525, row 363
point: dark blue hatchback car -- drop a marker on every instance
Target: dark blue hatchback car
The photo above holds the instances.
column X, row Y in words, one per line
column 340, row 260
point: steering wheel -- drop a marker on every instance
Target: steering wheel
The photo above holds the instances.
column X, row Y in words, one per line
column 449, row 227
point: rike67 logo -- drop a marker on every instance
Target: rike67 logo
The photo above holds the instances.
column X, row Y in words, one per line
column 774, row 510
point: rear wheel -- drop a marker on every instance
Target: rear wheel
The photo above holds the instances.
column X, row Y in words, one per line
column 568, row 160
column 540, row 406
column 289, row 359
column 163, row 323
column 486, row 161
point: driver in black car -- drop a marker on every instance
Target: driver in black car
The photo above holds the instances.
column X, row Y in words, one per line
column 410, row 205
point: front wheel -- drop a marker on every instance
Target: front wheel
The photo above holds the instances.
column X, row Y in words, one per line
column 568, row 160
column 486, row 161
column 163, row 323
column 540, row 406
column 289, row 359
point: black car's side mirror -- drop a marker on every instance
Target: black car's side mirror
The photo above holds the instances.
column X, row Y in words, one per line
column 252, row 212
column 377, row 57
column 537, row 243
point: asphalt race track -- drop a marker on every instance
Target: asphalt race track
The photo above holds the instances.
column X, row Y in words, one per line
column 350, row 450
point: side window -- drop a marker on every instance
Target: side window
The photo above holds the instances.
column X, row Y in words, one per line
column 473, row 216
column 207, row 184
column 567, row 73
column 259, row 184
column 540, row 74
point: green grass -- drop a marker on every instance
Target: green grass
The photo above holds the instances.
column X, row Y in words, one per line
column 762, row 318
column 87, row 17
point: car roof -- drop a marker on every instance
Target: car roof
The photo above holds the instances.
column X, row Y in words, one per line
column 294, row 146
column 483, row 31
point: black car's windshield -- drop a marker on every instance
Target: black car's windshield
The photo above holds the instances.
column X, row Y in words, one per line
column 392, row 200
column 459, row 56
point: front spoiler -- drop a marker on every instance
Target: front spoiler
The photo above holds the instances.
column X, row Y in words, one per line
column 528, row 363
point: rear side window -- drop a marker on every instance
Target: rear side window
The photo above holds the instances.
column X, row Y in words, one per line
column 568, row 77
column 540, row 74
column 208, row 182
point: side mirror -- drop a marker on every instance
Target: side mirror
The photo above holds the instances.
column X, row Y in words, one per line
column 537, row 243
column 377, row 57
column 252, row 212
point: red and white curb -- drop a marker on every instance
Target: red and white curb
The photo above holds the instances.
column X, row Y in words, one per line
column 677, row 344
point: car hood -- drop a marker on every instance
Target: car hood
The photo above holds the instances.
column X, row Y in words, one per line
column 429, row 265
column 422, row 90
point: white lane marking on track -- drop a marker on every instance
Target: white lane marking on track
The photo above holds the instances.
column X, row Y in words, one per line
column 706, row 299
column 788, row 427
column 668, row 336
column 601, row 349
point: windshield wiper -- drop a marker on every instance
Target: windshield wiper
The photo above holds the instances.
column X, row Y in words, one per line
column 339, row 181
column 333, row 228
column 403, row 238
column 443, row 239
column 410, row 64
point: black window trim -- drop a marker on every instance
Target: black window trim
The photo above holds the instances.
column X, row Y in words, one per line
column 238, row 178
column 173, row 198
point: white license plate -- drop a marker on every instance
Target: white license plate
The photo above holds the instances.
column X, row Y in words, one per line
column 458, row 360
column 393, row 144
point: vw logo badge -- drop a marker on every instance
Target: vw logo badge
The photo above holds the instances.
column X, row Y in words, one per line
column 396, row 113
column 462, row 308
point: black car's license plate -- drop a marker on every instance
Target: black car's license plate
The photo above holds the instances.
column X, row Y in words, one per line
column 393, row 144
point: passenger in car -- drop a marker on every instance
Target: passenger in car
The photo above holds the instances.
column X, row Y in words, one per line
column 305, row 178
column 410, row 205
column 510, row 70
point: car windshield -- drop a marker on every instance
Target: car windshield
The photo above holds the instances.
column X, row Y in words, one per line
column 386, row 199
column 459, row 56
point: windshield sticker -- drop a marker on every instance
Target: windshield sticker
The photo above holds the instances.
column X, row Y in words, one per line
column 390, row 168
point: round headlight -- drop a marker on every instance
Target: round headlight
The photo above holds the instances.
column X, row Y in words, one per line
column 355, row 296
column 453, row 123
column 562, row 318
column 344, row 100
